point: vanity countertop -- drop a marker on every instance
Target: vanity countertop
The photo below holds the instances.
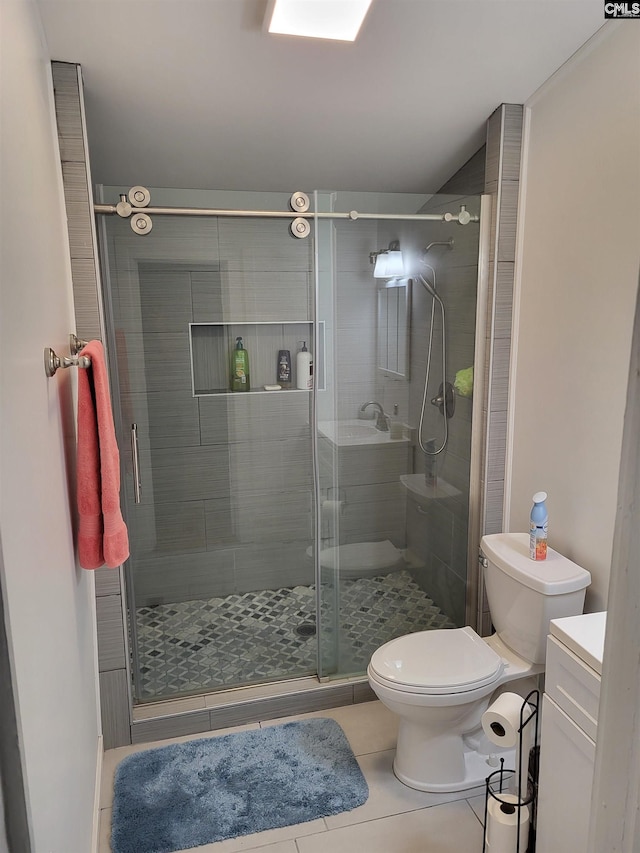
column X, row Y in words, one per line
column 583, row 635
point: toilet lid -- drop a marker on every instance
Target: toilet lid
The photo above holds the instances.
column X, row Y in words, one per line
column 442, row 661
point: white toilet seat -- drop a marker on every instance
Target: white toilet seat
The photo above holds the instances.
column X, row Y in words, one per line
column 436, row 663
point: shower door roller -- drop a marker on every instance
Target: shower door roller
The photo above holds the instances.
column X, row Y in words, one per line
column 141, row 223
column 300, row 227
column 139, row 196
column 300, row 202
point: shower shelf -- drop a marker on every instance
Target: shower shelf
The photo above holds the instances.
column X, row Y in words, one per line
column 226, row 393
column 211, row 345
column 415, row 483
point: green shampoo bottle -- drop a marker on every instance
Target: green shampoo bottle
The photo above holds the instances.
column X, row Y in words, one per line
column 239, row 367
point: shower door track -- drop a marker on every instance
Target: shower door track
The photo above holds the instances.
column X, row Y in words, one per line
column 127, row 210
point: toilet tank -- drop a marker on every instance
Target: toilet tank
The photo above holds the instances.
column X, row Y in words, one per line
column 525, row 594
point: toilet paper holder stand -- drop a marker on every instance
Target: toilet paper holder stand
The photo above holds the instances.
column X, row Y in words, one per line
column 527, row 777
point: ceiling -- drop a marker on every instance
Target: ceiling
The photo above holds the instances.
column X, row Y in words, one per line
column 194, row 93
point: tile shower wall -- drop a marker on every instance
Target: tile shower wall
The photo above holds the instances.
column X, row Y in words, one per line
column 112, row 654
column 227, row 479
column 504, row 142
column 504, row 146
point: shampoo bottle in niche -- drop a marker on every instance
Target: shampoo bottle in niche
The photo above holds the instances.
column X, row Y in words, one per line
column 239, row 367
column 538, row 527
column 284, row 368
column 304, row 368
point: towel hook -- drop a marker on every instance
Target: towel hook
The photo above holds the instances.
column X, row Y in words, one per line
column 52, row 361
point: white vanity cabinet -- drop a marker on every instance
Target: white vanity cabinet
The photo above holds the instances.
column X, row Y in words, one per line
column 569, row 731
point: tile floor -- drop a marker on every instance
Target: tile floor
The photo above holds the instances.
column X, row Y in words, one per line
column 395, row 819
column 199, row 646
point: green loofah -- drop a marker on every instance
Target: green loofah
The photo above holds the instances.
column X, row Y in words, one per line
column 464, row 382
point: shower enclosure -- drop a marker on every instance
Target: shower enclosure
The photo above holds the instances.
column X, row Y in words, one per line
column 284, row 533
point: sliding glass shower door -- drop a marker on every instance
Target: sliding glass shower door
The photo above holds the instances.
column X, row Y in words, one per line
column 393, row 520
column 221, row 575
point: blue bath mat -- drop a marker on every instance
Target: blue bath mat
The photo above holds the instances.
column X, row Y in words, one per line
column 194, row 793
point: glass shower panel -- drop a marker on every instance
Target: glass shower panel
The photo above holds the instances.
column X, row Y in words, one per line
column 393, row 520
column 221, row 574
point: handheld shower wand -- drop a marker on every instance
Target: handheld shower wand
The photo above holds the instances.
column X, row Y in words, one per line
column 444, row 401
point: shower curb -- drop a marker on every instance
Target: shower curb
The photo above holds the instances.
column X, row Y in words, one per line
column 238, row 713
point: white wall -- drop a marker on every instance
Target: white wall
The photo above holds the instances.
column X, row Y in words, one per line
column 49, row 601
column 578, row 258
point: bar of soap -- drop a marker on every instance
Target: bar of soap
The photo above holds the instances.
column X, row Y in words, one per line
column 272, row 387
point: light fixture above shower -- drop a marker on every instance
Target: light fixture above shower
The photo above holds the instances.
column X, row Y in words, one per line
column 389, row 263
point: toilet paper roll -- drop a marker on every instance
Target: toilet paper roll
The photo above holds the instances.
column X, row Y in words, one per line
column 501, row 720
column 330, row 510
column 504, row 823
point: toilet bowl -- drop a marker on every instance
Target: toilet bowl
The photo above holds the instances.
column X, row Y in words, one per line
column 440, row 682
column 440, row 704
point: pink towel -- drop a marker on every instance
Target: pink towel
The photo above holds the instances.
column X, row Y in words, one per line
column 102, row 533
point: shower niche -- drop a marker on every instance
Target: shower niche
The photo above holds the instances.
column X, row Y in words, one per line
column 212, row 345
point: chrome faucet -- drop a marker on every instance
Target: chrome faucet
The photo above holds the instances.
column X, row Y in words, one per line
column 382, row 420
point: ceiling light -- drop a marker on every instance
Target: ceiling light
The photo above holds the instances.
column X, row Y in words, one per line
column 324, row 19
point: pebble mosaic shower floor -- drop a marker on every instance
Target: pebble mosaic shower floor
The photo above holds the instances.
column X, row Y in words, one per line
column 202, row 646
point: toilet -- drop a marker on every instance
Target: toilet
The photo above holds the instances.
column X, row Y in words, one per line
column 440, row 683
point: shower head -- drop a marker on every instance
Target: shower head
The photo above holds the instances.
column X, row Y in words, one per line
column 448, row 243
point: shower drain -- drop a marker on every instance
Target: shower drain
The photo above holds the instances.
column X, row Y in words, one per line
column 306, row 629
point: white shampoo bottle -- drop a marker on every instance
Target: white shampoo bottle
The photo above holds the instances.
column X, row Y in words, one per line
column 304, row 369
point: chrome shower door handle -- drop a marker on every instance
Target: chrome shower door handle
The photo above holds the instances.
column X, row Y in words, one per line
column 137, row 484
